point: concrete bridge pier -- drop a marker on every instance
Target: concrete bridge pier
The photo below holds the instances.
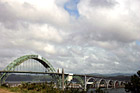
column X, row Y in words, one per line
column 85, row 87
column 0, row 83
column 63, row 79
column 97, row 85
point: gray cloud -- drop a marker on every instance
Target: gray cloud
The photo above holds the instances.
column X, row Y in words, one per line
column 103, row 3
column 102, row 39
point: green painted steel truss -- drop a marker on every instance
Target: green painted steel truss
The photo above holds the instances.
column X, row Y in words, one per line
column 22, row 59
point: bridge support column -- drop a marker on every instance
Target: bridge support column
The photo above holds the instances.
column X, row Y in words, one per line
column 98, row 85
column 62, row 79
column 0, row 79
column 0, row 83
column 85, row 88
column 107, row 85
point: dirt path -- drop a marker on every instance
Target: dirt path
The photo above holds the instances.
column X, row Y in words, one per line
column 4, row 91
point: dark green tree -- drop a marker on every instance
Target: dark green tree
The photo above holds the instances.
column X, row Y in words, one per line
column 134, row 84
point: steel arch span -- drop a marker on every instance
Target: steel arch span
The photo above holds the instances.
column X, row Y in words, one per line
column 22, row 59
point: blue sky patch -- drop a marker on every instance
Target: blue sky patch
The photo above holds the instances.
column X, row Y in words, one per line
column 138, row 42
column 71, row 7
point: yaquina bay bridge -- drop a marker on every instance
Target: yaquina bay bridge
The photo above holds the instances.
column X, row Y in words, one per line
column 35, row 64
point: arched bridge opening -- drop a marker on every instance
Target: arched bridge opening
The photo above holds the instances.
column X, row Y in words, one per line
column 116, row 84
column 76, row 82
column 30, row 63
column 102, row 83
column 121, row 84
column 91, row 83
column 110, row 84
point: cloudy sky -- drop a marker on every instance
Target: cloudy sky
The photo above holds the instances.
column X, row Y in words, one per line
column 81, row 36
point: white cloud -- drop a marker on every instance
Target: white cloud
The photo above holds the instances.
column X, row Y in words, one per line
column 36, row 11
column 50, row 49
column 116, row 63
column 45, row 32
column 104, row 33
column 110, row 23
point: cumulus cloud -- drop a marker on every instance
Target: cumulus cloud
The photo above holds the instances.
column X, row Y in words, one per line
column 102, row 3
column 109, row 23
column 103, row 38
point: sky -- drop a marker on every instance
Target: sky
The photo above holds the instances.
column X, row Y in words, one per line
column 81, row 36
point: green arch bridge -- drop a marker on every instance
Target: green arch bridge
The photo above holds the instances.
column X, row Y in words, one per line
column 84, row 80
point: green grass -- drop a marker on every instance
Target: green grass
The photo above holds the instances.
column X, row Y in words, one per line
column 39, row 88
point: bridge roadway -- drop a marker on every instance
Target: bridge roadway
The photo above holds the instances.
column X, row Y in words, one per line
column 51, row 73
column 87, row 77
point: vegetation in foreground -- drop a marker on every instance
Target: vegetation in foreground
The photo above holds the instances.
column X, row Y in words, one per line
column 40, row 88
column 134, row 84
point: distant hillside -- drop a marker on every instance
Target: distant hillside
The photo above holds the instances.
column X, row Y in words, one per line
column 121, row 78
column 120, row 74
column 113, row 74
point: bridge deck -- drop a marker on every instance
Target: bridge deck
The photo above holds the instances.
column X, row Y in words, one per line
column 47, row 73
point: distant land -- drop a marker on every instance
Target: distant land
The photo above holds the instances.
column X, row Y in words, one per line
column 113, row 74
